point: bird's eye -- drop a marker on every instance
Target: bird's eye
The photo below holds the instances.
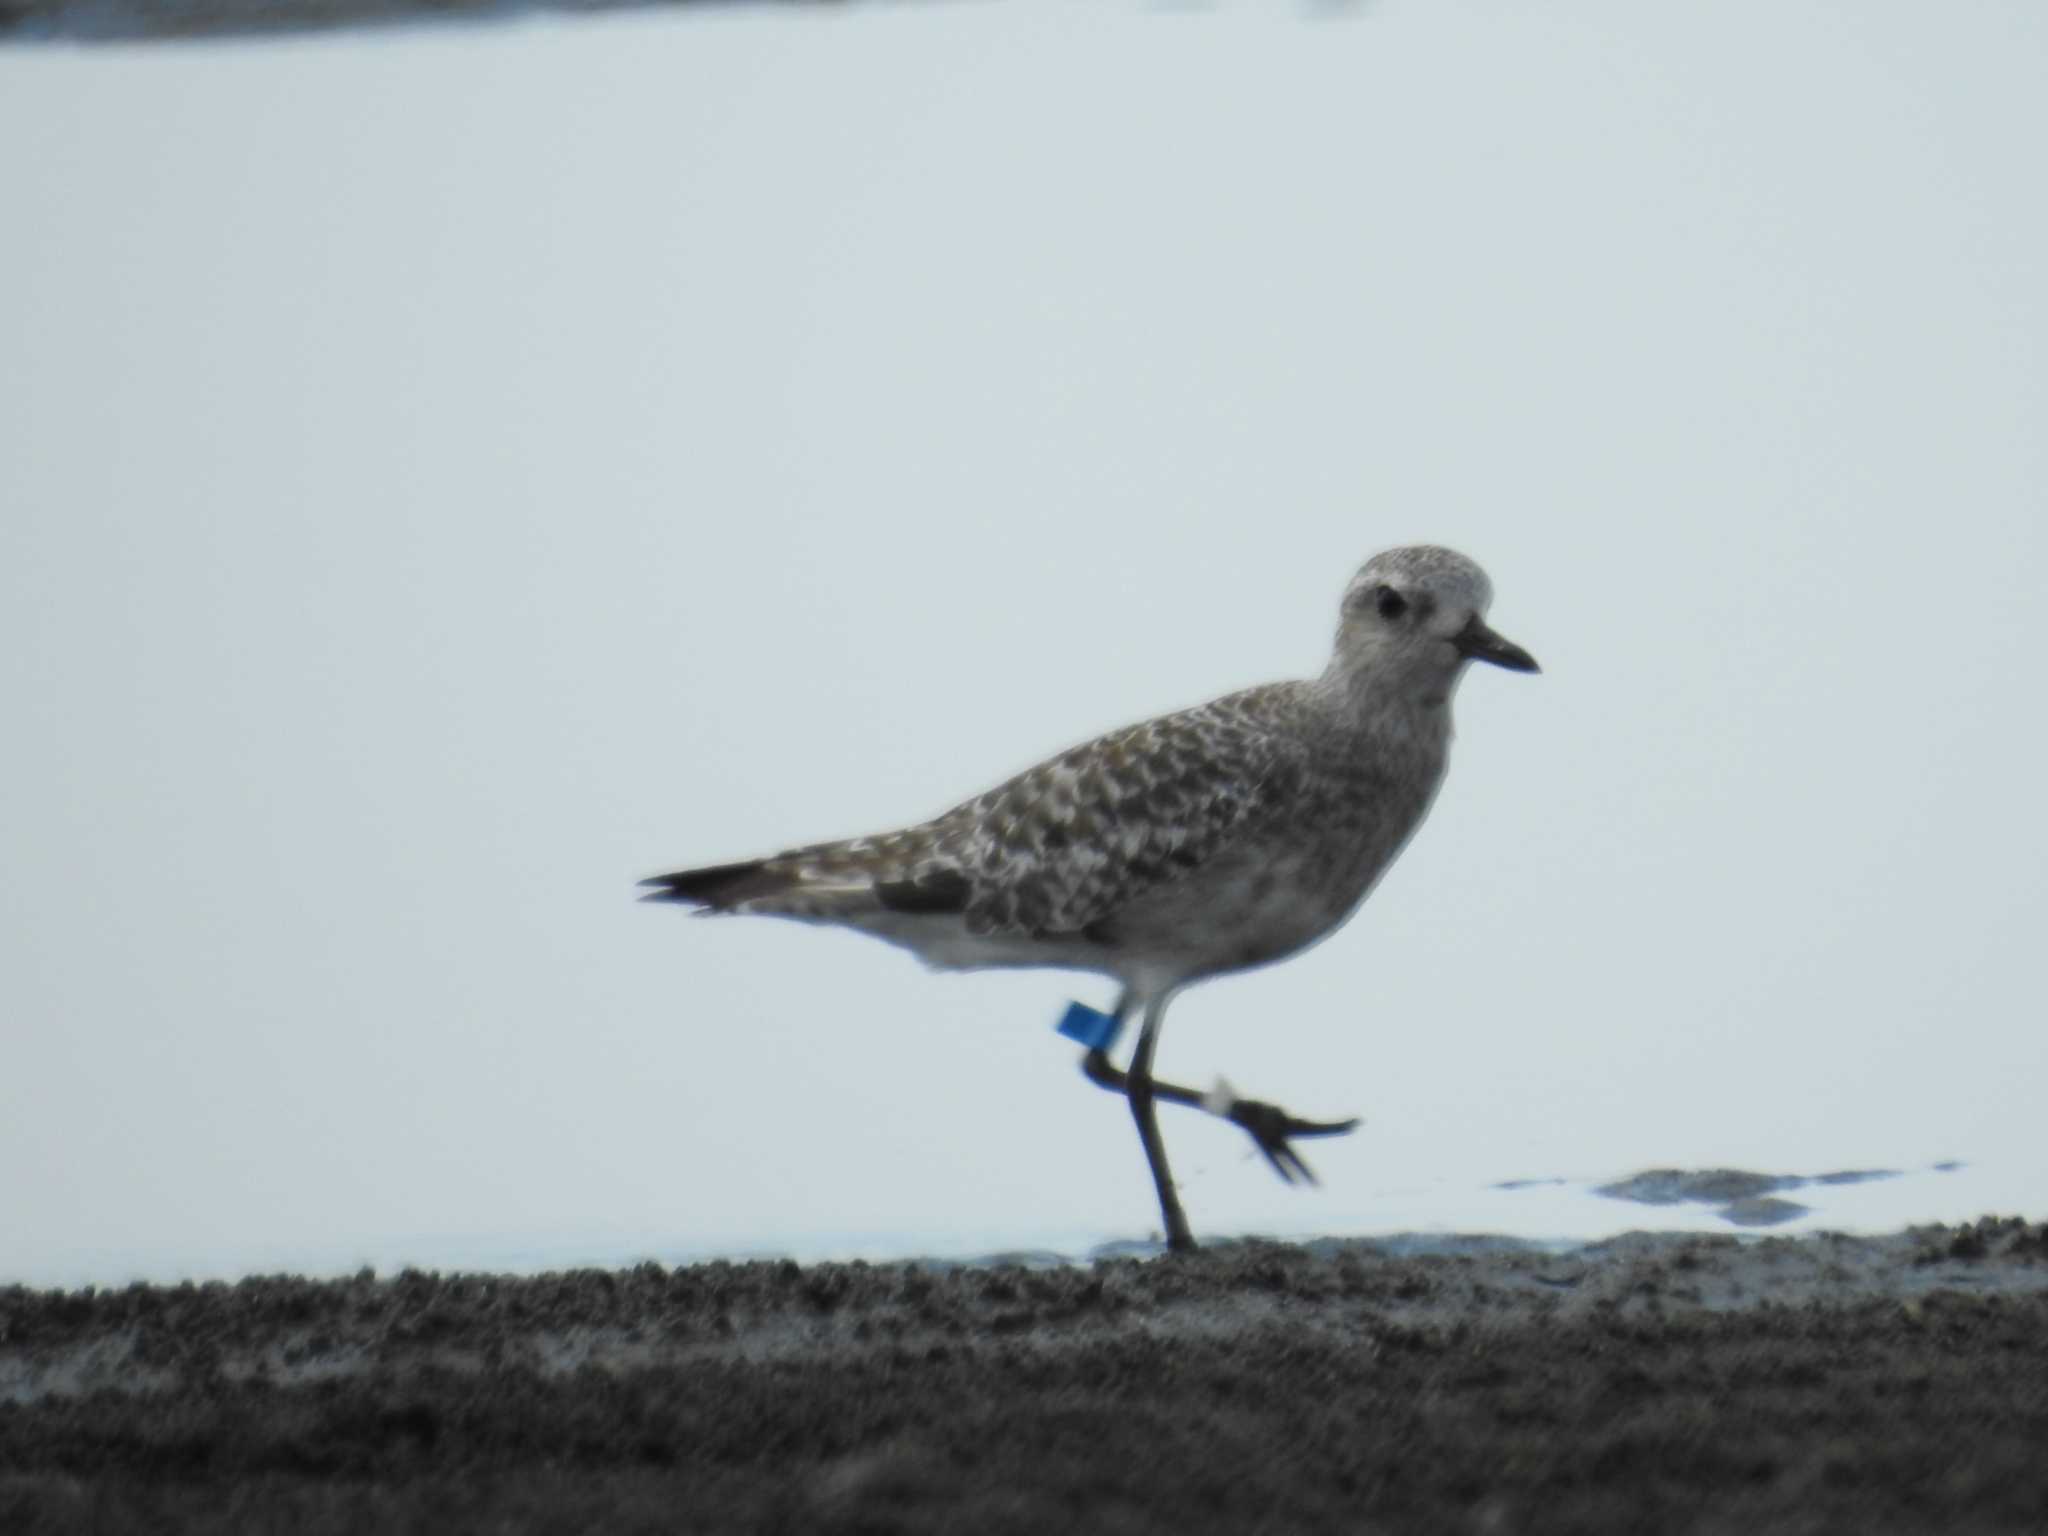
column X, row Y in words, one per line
column 1390, row 603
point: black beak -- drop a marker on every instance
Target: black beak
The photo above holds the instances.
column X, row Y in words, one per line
column 1478, row 643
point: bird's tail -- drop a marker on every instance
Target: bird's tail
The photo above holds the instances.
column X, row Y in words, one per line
column 723, row 887
column 831, row 882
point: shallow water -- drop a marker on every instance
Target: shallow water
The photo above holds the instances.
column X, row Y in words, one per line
column 1550, row 1214
column 417, row 1096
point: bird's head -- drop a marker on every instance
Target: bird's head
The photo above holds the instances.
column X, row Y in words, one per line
column 1414, row 616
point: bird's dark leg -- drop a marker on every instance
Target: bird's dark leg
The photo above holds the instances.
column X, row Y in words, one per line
column 1104, row 1073
column 1269, row 1126
column 1142, row 1091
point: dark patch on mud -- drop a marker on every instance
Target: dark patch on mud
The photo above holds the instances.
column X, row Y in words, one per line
column 1762, row 1211
column 1676, row 1383
column 1743, row 1199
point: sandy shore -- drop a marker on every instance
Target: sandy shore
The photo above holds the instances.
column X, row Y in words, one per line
column 1695, row 1383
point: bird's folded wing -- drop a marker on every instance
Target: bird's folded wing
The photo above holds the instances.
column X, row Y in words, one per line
column 1056, row 850
column 1066, row 844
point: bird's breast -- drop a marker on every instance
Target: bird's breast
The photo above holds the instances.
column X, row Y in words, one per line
column 1300, row 878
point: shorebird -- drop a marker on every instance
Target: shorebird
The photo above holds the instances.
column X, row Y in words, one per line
column 1224, row 837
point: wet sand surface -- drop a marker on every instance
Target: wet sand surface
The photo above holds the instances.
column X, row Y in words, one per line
column 1670, row 1383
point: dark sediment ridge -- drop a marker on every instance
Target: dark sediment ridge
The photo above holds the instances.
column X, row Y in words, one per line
column 134, row 21
column 1678, row 1383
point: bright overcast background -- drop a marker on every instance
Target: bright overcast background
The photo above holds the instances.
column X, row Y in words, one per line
column 448, row 474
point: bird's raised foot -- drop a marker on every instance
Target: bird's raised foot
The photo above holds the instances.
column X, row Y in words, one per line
column 1271, row 1128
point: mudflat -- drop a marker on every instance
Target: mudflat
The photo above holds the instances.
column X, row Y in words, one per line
column 1673, row 1383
